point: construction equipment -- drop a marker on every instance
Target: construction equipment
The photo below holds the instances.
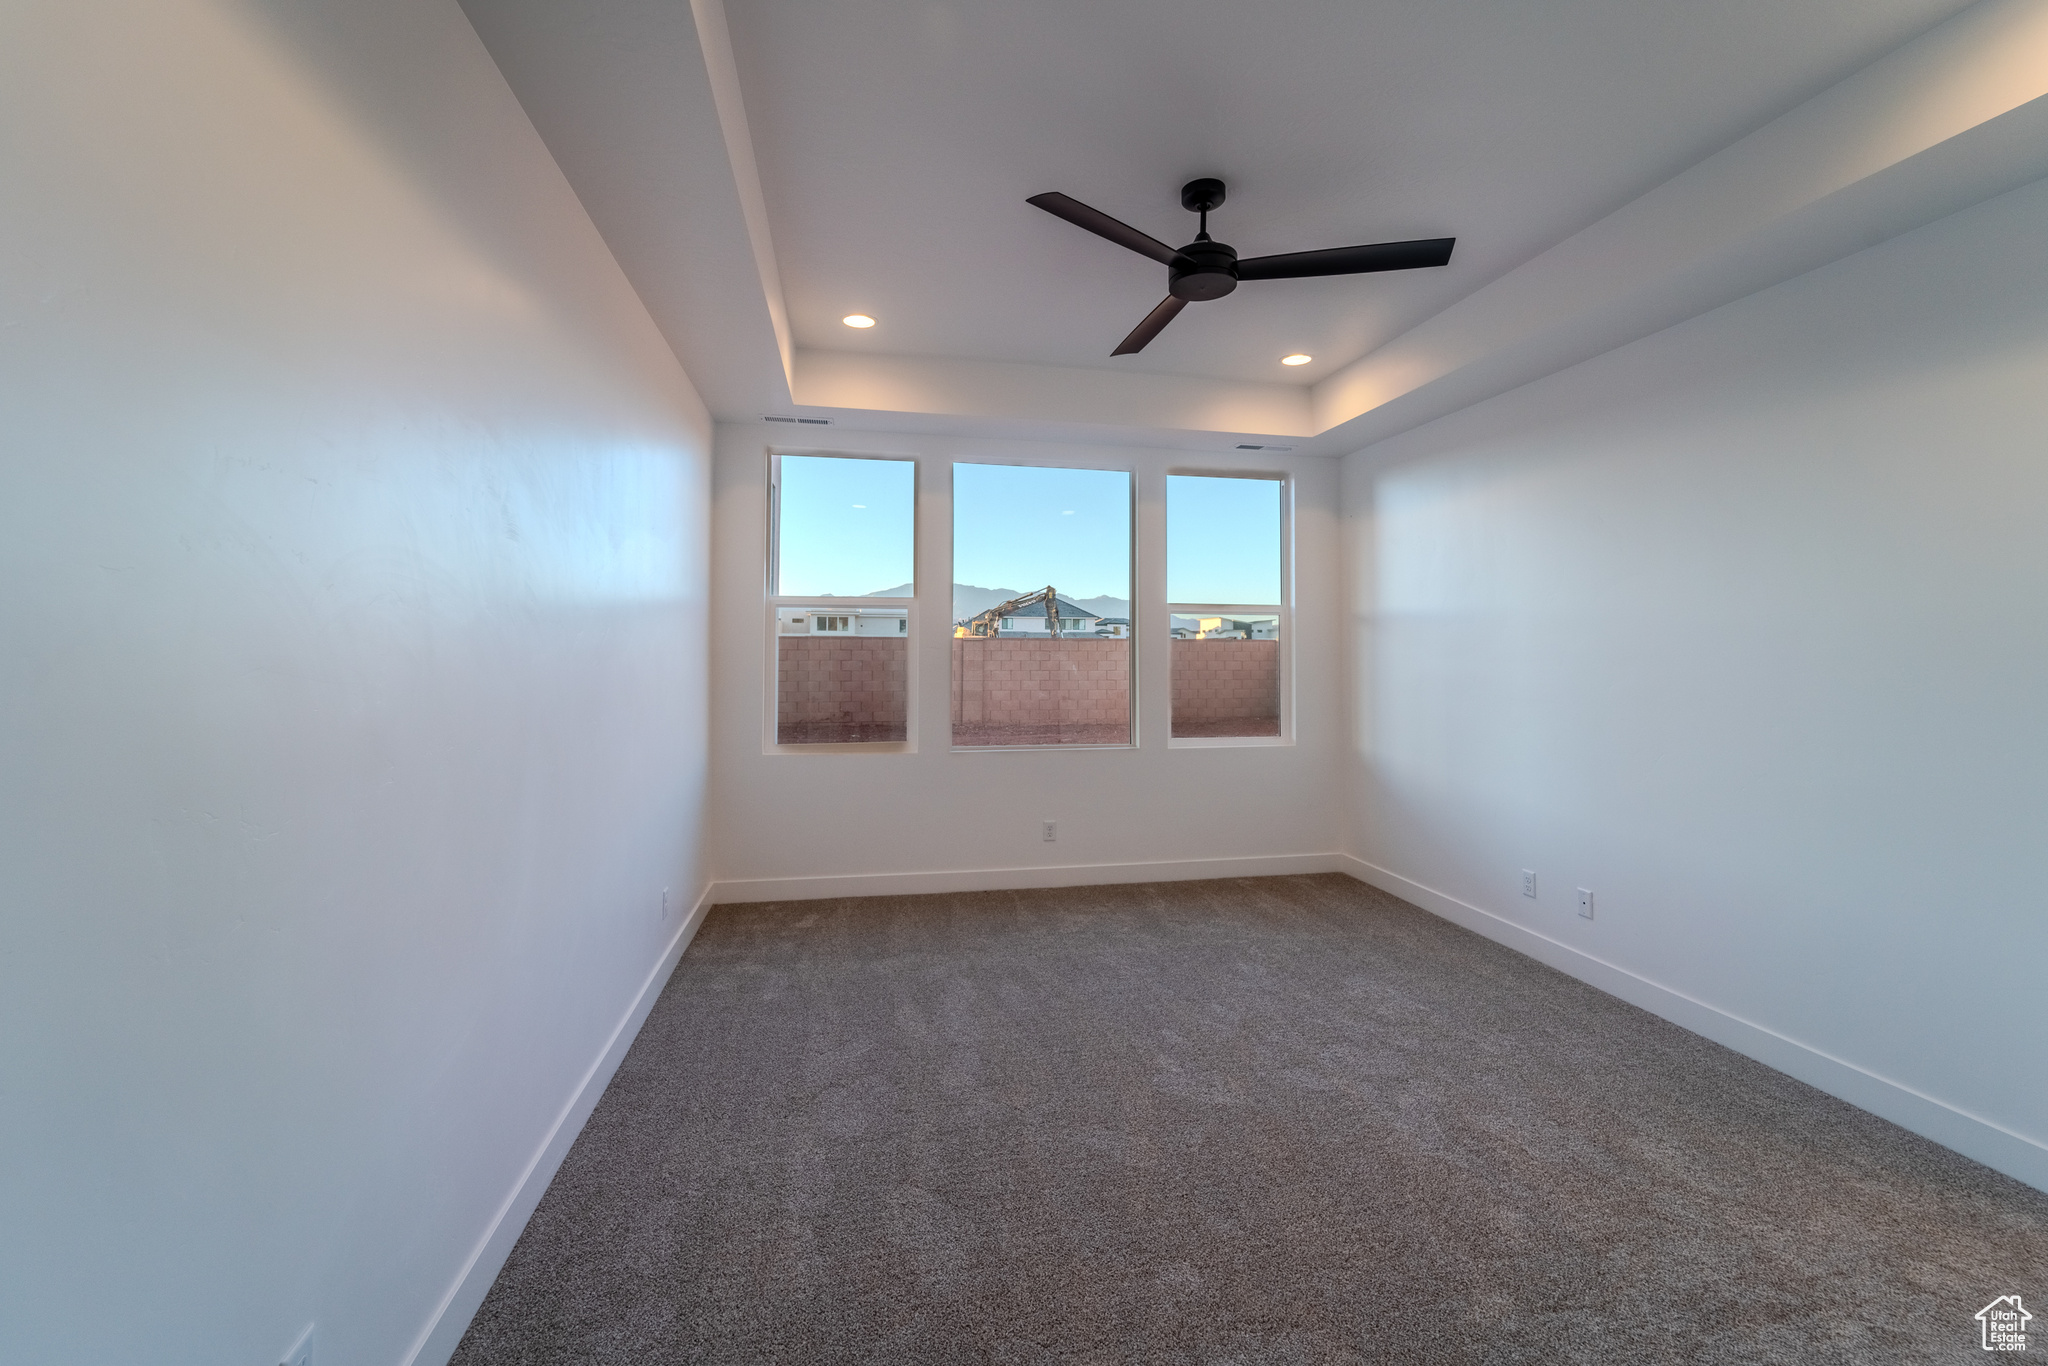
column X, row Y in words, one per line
column 991, row 620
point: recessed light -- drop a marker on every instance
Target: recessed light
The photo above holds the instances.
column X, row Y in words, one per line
column 858, row 320
column 1296, row 359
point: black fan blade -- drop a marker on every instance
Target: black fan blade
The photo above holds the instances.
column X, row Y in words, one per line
column 1155, row 323
column 1102, row 225
column 1434, row 251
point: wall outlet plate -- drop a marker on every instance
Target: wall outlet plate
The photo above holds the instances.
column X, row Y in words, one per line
column 1585, row 903
column 300, row 1352
column 1049, row 830
column 1528, row 882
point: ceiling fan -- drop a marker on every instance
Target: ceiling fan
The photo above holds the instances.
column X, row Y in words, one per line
column 1209, row 270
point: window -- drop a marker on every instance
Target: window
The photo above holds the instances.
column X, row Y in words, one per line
column 1041, row 557
column 842, row 548
column 1225, row 566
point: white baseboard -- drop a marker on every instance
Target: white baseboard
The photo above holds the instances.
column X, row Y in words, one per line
column 1973, row 1136
column 450, row 1319
column 1003, row 879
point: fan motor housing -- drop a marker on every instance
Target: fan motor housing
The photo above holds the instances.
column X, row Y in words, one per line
column 1205, row 270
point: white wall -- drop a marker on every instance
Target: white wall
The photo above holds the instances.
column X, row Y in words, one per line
column 352, row 537
column 937, row 819
column 1742, row 627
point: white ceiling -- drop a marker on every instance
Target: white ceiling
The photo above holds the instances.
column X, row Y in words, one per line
column 1611, row 168
column 897, row 140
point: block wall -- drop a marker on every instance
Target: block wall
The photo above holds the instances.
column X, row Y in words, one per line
column 841, row 688
column 1041, row 682
column 854, row 687
column 1226, row 680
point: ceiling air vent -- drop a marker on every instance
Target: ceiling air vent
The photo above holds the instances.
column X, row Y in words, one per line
column 1247, row 446
column 802, row 421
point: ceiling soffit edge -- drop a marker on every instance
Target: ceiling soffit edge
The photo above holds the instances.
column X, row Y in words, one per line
column 1949, row 120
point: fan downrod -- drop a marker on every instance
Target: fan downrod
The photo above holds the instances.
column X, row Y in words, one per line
column 1203, row 269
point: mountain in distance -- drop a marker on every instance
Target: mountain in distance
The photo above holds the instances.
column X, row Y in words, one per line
column 1104, row 606
column 968, row 600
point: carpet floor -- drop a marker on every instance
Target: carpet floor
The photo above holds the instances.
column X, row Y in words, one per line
column 1256, row 1122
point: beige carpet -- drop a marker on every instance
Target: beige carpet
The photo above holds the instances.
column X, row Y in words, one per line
column 1264, row 1121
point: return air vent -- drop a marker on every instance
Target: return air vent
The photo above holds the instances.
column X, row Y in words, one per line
column 802, row 421
column 1247, row 446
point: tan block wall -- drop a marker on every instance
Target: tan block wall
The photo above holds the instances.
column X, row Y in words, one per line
column 861, row 680
column 855, row 680
column 1041, row 682
column 1226, row 680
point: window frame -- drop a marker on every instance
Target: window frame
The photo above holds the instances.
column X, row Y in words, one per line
column 774, row 603
column 935, row 515
column 1282, row 610
column 1107, row 464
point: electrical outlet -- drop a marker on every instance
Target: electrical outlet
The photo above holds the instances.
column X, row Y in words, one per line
column 664, row 905
column 301, row 1353
column 1585, row 903
column 1049, row 831
column 1528, row 882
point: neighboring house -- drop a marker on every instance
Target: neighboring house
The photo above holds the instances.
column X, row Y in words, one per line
column 1116, row 627
column 1026, row 616
column 842, row 621
column 1225, row 628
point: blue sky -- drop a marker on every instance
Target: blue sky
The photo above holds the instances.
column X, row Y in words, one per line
column 846, row 525
column 1222, row 540
column 847, row 530
column 1024, row 526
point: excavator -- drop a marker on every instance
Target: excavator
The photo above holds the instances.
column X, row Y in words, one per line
column 1048, row 595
